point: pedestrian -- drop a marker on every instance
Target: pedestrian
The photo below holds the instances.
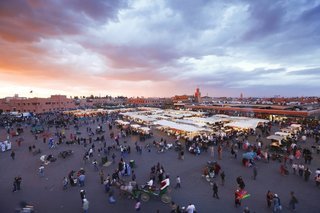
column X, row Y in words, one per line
column 255, row 172
column 112, row 200
column 246, row 210
column 81, row 179
column 277, row 207
column 13, row 154
column 211, row 151
column 307, row 174
column 101, row 175
column 137, row 206
column 220, row 152
column 222, row 175
column 215, row 190
column 18, row 182
column 237, row 198
column 14, row 185
column 294, row 168
column 300, row 169
column 85, row 205
column 190, row 208
column 269, row 198
column 133, row 176
column 293, row 201
column 41, row 171
column 240, row 182
column 95, row 165
column 113, row 157
column 65, row 183
column 173, row 207
column 182, row 155
column 178, row 182
column 82, row 195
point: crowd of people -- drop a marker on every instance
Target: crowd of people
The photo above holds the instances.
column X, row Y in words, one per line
column 96, row 145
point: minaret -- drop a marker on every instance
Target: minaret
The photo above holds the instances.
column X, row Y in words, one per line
column 197, row 95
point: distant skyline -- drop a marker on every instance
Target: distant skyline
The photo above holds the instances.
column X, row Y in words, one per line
column 160, row 48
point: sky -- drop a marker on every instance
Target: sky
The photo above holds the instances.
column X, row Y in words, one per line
column 160, row 48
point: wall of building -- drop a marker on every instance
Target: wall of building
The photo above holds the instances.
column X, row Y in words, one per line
column 37, row 105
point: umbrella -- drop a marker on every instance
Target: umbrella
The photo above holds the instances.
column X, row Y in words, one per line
column 249, row 155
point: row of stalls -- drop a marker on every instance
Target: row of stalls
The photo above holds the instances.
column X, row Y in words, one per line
column 279, row 139
column 188, row 124
column 134, row 127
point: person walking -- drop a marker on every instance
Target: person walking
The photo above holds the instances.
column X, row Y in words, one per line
column 190, row 208
column 307, row 174
column 269, row 198
column 255, row 172
column 220, row 152
column 85, row 205
column 113, row 156
column 240, row 182
column 211, row 148
column 13, row 154
column 222, row 175
column 95, row 165
column 65, row 183
column 246, row 210
column 101, row 175
column 81, row 180
column 82, row 195
column 14, row 185
column 293, row 201
column 178, row 182
column 18, row 182
column 300, row 169
column 133, row 176
column 277, row 207
column 237, row 198
column 137, row 206
column 173, row 207
column 215, row 190
column 41, row 171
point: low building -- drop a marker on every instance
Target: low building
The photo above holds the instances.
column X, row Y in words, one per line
column 262, row 111
column 158, row 102
column 37, row 105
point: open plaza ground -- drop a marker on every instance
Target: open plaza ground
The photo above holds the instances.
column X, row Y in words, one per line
column 47, row 195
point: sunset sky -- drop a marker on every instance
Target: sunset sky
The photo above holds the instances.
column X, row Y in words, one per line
column 160, row 47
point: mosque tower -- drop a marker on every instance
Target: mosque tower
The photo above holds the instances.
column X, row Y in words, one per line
column 197, row 95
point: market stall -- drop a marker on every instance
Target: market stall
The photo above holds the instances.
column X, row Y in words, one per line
column 179, row 129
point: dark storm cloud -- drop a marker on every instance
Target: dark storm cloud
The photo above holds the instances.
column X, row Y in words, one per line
column 29, row 20
column 266, row 19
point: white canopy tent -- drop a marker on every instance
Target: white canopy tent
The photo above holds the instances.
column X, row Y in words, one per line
column 189, row 122
column 135, row 126
column 181, row 127
column 283, row 134
column 275, row 137
column 209, row 120
column 121, row 122
column 248, row 123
